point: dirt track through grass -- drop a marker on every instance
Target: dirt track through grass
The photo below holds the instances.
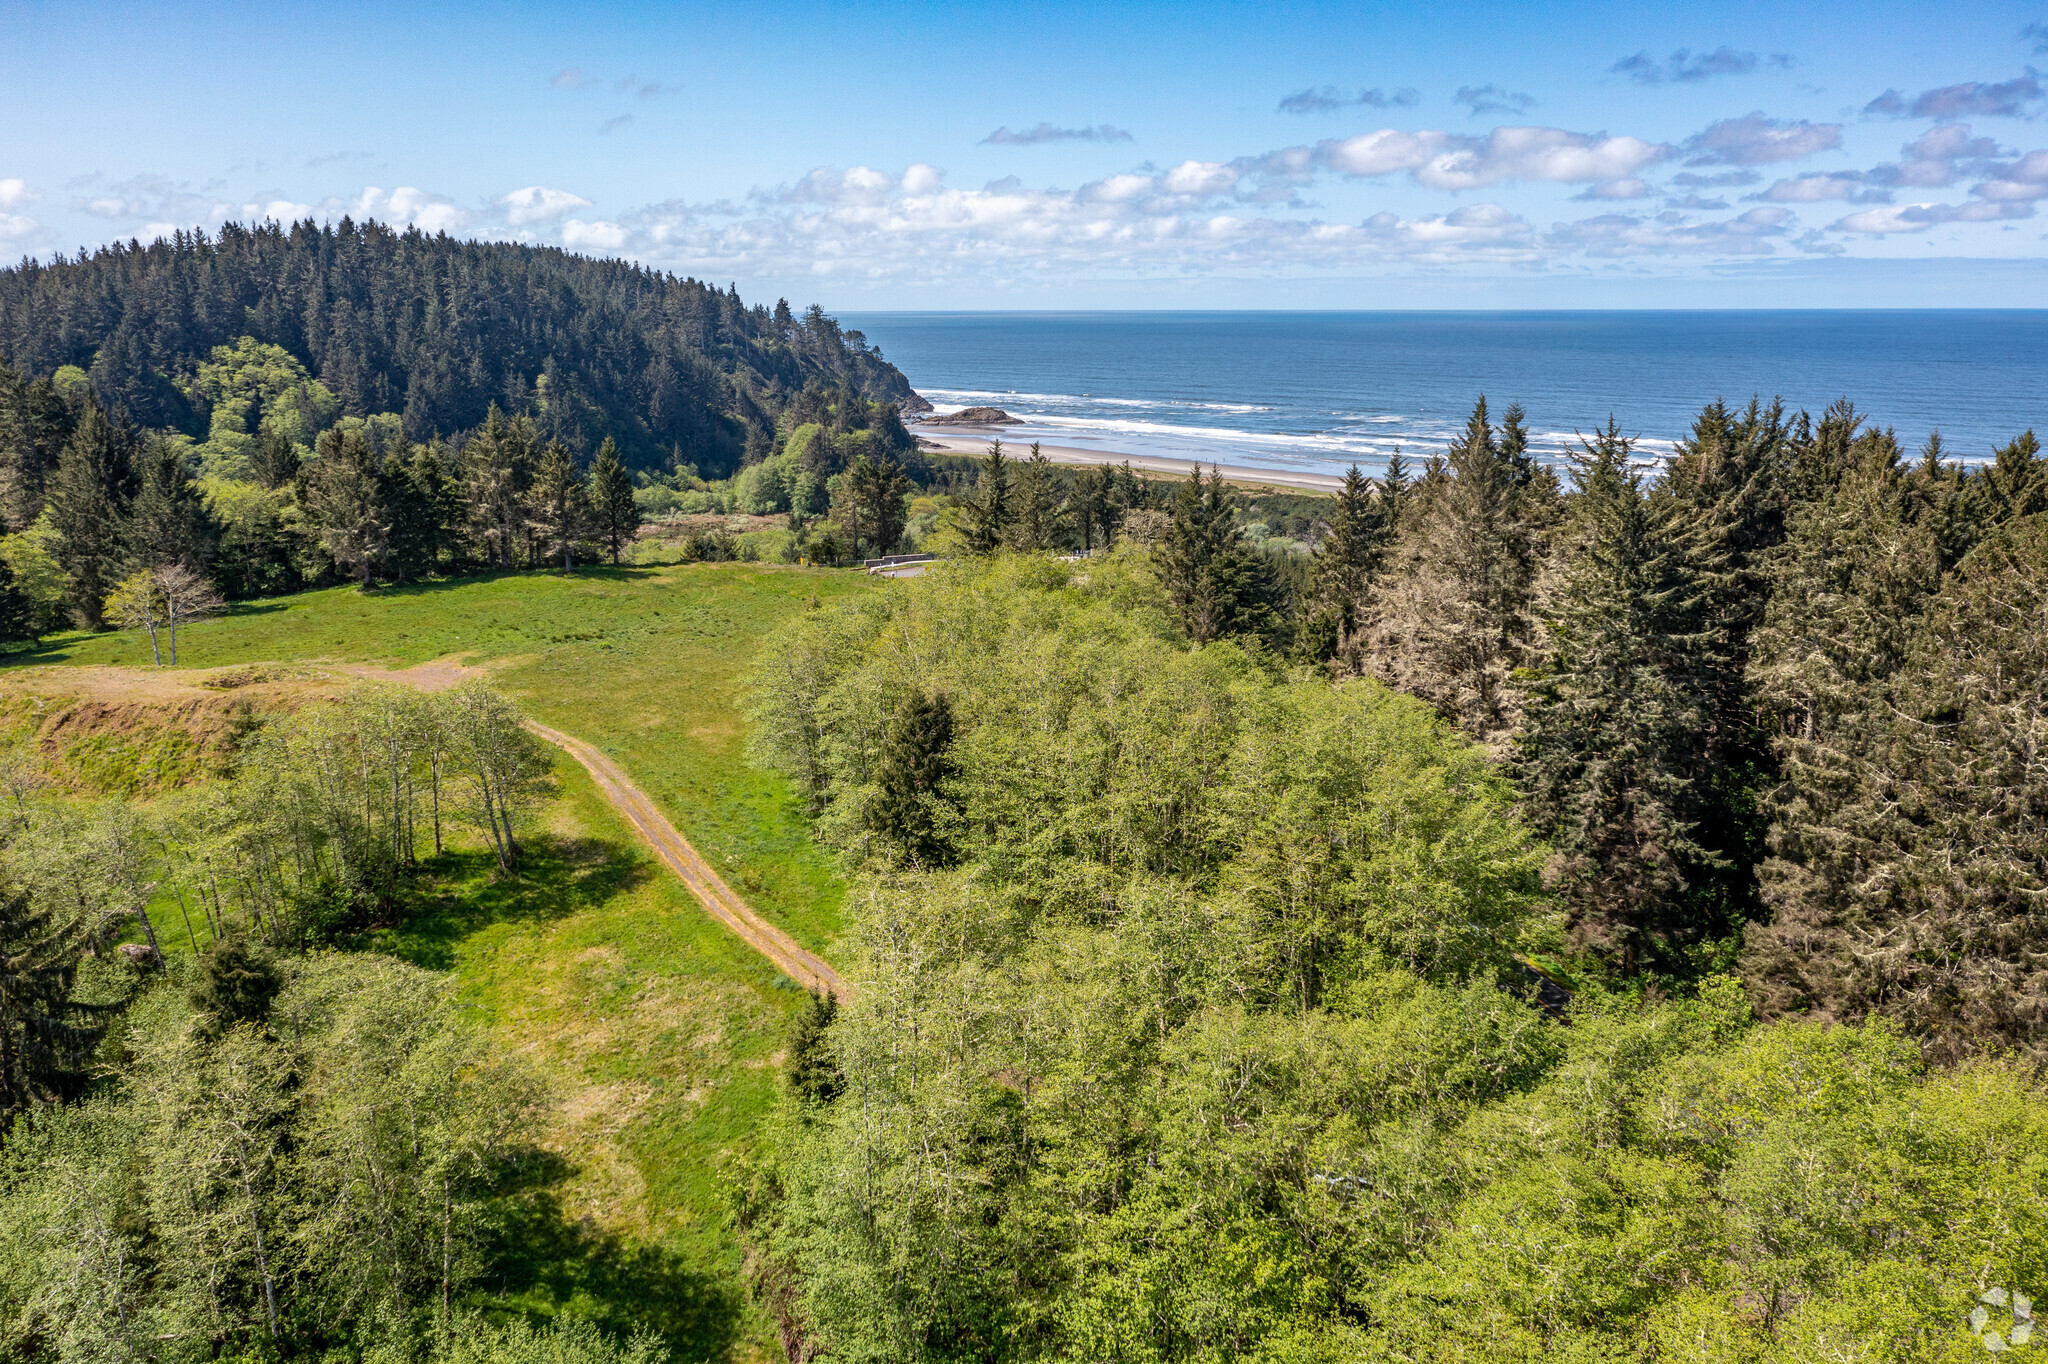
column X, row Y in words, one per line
column 805, row 968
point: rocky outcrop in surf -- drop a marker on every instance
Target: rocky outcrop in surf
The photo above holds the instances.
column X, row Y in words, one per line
column 981, row 416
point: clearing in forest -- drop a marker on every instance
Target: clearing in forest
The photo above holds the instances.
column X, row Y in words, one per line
column 658, row 1027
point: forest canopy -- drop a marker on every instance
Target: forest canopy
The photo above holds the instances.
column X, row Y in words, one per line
column 432, row 330
column 1193, row 1020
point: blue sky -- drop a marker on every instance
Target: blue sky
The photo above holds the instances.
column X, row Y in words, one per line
column 1084, row 155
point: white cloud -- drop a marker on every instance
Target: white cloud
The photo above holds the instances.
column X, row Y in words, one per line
column 1442, row 160
column 2026, row 178
column 1382, row 152
column 16, row 228
column 1758, row 140
column 1046, row 132
column 1672, row 233
column 156, row 198
column 278, row 210
column 1920, row 217
column 2003, row 99
column 1199, row 178
column 1682, row 65
column 1539, row 154
column 1629, row 187
column 538, row 204
column 602, row 235
column 427, row 212
column 1329, row 99
column 1141, row 223
column 855, row 185
column 1493, row 99
column 14, row 192
column 1818, row 186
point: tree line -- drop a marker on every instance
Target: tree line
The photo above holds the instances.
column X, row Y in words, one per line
column 1194, row 1019
column 285, row 494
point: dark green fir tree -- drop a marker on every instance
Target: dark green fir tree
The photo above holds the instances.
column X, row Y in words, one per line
column 615, row 517
column 1609, row 753
column 910, row 808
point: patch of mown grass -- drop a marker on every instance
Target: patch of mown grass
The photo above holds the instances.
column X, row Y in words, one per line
column 643, row 662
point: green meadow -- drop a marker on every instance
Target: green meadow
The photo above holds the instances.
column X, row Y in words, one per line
column 659, row 1032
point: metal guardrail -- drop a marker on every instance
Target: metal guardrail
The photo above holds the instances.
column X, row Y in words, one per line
column 889, row 564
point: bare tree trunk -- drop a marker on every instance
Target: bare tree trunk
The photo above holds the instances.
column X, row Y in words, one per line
column 447, row 1253
column 190, row 936
column 148, row 928
column 262, row 1262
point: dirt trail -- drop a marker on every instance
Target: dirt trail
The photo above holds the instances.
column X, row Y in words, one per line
column 115, row 685
column 803, row 967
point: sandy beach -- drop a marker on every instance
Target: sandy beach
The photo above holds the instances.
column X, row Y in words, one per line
column 973, row 440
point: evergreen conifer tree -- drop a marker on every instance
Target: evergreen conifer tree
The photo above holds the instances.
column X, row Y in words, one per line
column 1455, row 623
column 1041, row 512
column 238, row 979
column 17, row 611
column 615, row 516
column 807, row 1067
column 1349, row 554
column 989, row 513
column 436, row 480
column 1609, row 752
column 168, row 522
column 1912, row 839
column 89, row 498
column 1394, row 491
column 1092, row 489
column 874, row 503
column 413, row 545
column 345, row 493
column 1217, row 584
column 559, row 504
column 47, row 1035
column 1732, row 481
column 276, row 458
column 908, row 808
column 35, row 425
column 497, row 468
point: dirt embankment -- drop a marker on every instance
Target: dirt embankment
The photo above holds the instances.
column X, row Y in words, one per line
column 134, row 733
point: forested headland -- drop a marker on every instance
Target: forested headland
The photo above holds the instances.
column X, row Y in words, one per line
column 284, row 408
column 1530, row 905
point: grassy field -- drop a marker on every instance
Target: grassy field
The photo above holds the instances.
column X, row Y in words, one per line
column 659, row 1034
column 643, row 662
column 658, row 1031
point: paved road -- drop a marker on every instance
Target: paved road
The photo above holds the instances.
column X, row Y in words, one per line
column 805, row 968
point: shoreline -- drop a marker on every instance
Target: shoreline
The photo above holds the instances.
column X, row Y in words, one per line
column 959, row 440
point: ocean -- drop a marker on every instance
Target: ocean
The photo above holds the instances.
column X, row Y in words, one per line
column 1315, row 392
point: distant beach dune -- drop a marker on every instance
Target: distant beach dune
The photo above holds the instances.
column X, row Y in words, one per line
column 963, row 441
